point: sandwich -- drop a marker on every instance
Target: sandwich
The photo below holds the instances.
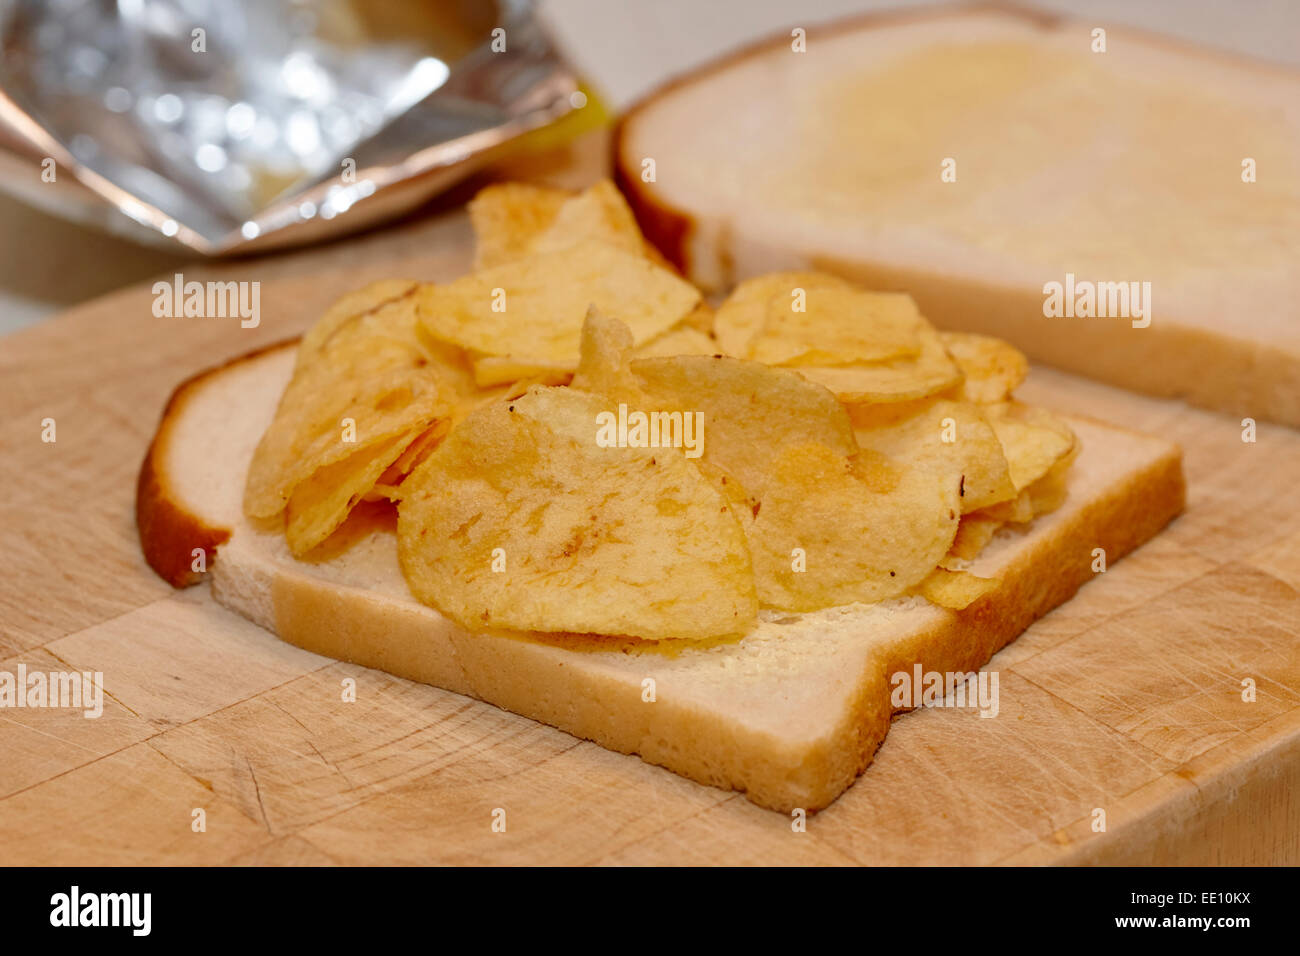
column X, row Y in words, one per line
column 719, row 536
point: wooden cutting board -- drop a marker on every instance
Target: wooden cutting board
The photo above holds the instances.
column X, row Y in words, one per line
column 1128, row 700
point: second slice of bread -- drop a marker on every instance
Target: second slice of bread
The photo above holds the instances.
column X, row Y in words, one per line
column 973, row 156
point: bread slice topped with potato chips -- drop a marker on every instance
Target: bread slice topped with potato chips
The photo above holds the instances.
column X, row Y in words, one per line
column 567, row 469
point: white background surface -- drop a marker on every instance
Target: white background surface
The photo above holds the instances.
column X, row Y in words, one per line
column 624, row 48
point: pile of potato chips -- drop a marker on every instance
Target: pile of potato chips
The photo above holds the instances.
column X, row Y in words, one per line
column 849, row 451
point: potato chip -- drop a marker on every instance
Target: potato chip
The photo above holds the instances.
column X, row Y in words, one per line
column 833, row 529
column 897, row 380
column 700, row 318
column 681, row 339
column 600, row 213
column 493, row 370
column 837, row 327
column 520, row 520
column 993, row 368
column 1041, row 496
column 751, row 411
column 956, row 590
column 370, row 378
column 365, row 301
column 952, row 438
column 1033, row 440
column 323, row 501
column 418, row 450
column 1049, row 492
column 513, row 221
column 298, row 443
column 742, row 315
column 973, row 536
column 1018, row 510
column 521, row 386
column 507, row 219
column 531, row 310
column 603, row 360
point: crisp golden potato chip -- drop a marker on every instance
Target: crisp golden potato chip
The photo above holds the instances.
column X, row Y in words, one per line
column 838, row 327
column 507, row 219
column 750, row 411
column 993, row 368
column 700, row 319
column 298, row 443
column 389, row 485
column 897, row 380
column 973, row 535
column 603, row 361
column 1049, row 492
column 1041, row 496
column 492, row 370
column 323, row 501
column 681, row 339
column 387, row 294
column 416, row 451
column 950, row 437
column 531, row 310
column 600, row 213
column 513, row 221
column 1018, row 510
column 833, row 529
column 1033, row 440
column 520, row 520
column 606, row 347
column 369, row 379
column 956, row 590
column 741, row 317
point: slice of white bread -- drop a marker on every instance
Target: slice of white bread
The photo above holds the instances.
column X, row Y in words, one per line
column 1116, row 166
column 790, row 714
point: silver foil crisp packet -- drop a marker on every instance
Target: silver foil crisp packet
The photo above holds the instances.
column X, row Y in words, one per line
column 232, row 125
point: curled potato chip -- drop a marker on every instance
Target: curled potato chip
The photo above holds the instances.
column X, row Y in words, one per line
column 347, row 310
column 741, row 317
column 1041, row 496
column 388, row 487
column 603, row 360
column 681, row 339
column 492, row 370
column 751, row 411
column 1018, row 510
column 833, row 529
column 600, row 213
column 513, row 221
column 1049, row 492
column 993, row 369
column 700, row 319
column 415, row 452
column 365, row 379
column 507, row 219
column 944, row 435
column 323, row 501
column 1033, row 440
column 837, row 326
column 973, row 535
column 531, row 310
column 896, row 380
column 521, row 520
column 956, row 590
